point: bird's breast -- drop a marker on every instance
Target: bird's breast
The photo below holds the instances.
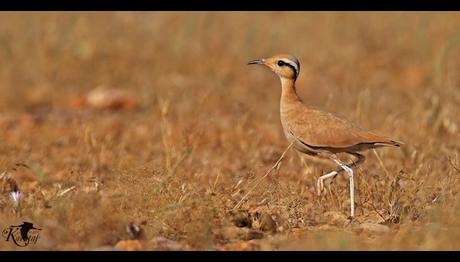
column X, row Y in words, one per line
column 284, row 116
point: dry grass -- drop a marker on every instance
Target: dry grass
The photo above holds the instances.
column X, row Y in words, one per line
column 207, row 127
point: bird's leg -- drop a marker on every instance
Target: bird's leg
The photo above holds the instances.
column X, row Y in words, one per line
column 349, row 170
column 333, row 174
column 360, row 159
column 352, row 186
column 320, row 183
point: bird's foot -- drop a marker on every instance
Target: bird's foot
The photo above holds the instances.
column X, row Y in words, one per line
column 320, row 183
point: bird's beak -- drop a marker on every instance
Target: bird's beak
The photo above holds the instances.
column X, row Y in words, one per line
column 257, row 62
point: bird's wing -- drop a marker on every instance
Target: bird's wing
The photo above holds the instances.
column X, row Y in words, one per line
column 323, row 129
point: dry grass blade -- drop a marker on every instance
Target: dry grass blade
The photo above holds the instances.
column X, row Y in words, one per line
column 65, row 191
column 261, row 178
column 381, row 162
column 172, row 172
column 453, row 165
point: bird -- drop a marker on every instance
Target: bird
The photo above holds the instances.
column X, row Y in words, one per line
column 320, row 133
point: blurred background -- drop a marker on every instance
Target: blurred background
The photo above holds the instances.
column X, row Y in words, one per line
column 155, row 117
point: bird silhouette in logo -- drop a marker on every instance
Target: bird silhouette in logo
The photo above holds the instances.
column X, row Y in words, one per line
column 25, row 228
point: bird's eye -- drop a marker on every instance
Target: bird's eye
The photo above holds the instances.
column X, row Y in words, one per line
column 281, row 63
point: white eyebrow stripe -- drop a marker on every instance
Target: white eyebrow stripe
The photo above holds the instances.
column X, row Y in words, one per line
column 296, row 67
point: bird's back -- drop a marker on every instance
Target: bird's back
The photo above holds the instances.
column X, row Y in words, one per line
column 319, row 129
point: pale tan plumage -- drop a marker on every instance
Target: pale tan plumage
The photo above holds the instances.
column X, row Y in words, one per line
column 316, row 132
column 324, row 131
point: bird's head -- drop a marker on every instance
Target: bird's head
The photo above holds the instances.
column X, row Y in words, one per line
column 285, row 66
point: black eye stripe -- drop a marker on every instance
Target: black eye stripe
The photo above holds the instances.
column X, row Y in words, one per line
column 282, row 63
column 293, row 68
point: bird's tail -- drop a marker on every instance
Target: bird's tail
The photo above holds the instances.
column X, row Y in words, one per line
column 389, row 142
column 379, row 140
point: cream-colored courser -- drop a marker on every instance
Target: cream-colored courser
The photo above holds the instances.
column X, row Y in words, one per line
column 317, row 132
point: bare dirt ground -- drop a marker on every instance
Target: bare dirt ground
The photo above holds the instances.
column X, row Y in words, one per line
column 143, row 131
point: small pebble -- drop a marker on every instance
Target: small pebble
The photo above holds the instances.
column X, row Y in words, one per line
column 129, row 245
column 162, row 243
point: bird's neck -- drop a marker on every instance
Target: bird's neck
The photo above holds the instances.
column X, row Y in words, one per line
column 288, row 91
